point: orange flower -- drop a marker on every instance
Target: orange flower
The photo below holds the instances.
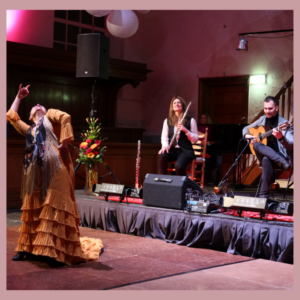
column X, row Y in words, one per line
column 83, row 145
column 90, row 155
column 94, row 146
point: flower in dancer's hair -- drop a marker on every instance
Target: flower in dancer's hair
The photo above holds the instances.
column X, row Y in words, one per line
column 89, row 150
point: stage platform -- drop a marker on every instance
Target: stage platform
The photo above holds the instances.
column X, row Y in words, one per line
column 246, row 236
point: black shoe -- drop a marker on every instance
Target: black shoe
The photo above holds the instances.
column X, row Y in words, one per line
column 19, row 256
column 287, row 166
column 30, row 256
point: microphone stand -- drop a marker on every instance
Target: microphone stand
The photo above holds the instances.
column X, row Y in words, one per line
column 225, row 178
column 92, row 115
column 94, row 97
column 92, row 112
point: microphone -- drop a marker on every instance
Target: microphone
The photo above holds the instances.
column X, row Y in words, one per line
column 250, row 139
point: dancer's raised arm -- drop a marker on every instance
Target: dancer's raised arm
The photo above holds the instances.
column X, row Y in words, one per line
column 22, row 93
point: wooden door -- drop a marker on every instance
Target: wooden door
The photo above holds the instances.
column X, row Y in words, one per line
column 224, row 99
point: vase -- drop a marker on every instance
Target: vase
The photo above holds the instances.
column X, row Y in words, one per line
column 91, row 178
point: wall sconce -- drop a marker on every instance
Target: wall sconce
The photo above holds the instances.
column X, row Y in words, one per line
column 243, row 43
column 257, row 79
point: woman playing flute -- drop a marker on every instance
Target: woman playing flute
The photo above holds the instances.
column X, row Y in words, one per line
column 186, row 133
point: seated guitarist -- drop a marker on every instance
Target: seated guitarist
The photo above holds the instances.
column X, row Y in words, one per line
column 279, row 151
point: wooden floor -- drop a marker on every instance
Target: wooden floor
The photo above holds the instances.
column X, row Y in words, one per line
column 138, row 263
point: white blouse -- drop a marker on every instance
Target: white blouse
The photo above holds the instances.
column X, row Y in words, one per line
column 191, row 135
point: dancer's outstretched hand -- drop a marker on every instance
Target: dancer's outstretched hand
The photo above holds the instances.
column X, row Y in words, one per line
column 23, row 92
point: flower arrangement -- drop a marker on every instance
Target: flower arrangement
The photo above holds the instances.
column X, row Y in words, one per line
column 90, row 150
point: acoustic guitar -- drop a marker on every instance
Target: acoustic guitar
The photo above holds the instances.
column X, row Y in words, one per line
column 263, row 133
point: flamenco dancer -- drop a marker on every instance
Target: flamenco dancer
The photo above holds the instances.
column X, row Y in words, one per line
column 50, row 217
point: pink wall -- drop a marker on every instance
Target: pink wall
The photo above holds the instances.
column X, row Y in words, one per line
column 33, row 27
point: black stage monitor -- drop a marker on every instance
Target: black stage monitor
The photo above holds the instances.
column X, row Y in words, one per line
column 167, row 191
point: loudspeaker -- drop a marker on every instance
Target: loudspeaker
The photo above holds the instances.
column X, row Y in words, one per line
column 92, row 55
column 167, row 191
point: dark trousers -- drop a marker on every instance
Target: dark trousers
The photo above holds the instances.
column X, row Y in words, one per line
column 270, row 160
column 175, row 154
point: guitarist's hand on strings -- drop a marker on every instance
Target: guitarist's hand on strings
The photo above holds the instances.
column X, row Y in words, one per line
column 277, row 133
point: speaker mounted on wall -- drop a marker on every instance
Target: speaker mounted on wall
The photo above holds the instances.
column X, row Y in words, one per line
column 92, row 56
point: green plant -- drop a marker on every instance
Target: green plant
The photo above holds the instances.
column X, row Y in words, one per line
column 90, row 150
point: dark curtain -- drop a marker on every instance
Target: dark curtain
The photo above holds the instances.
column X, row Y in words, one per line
column 248, row 237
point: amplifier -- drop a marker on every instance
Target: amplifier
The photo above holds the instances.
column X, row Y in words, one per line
column 167, row 191
column 253, row 203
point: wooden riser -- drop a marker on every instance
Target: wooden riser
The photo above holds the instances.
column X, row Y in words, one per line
column 283, row 183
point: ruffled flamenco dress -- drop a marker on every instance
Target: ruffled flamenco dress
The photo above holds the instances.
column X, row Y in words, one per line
column 49, row 212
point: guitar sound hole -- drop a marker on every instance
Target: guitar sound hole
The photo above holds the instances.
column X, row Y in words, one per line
column 259, row 137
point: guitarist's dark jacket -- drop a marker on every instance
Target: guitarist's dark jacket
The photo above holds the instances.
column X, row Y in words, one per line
column 285, row 146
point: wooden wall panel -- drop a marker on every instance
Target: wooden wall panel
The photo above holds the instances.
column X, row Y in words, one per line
column 14, row 163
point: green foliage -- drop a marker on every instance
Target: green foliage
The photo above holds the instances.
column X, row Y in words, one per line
column 90, row 150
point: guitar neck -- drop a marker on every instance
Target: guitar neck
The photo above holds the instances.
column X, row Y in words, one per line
column 266, row 134
column 269, row 132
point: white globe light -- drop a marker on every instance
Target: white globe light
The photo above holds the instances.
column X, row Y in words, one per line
column 143, row 11
column 99, row 13
column 122, row 23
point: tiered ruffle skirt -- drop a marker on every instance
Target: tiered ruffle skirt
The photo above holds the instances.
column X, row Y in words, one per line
column 51, row 228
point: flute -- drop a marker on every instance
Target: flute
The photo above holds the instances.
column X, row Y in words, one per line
column 178, row 124
column 138, row 160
